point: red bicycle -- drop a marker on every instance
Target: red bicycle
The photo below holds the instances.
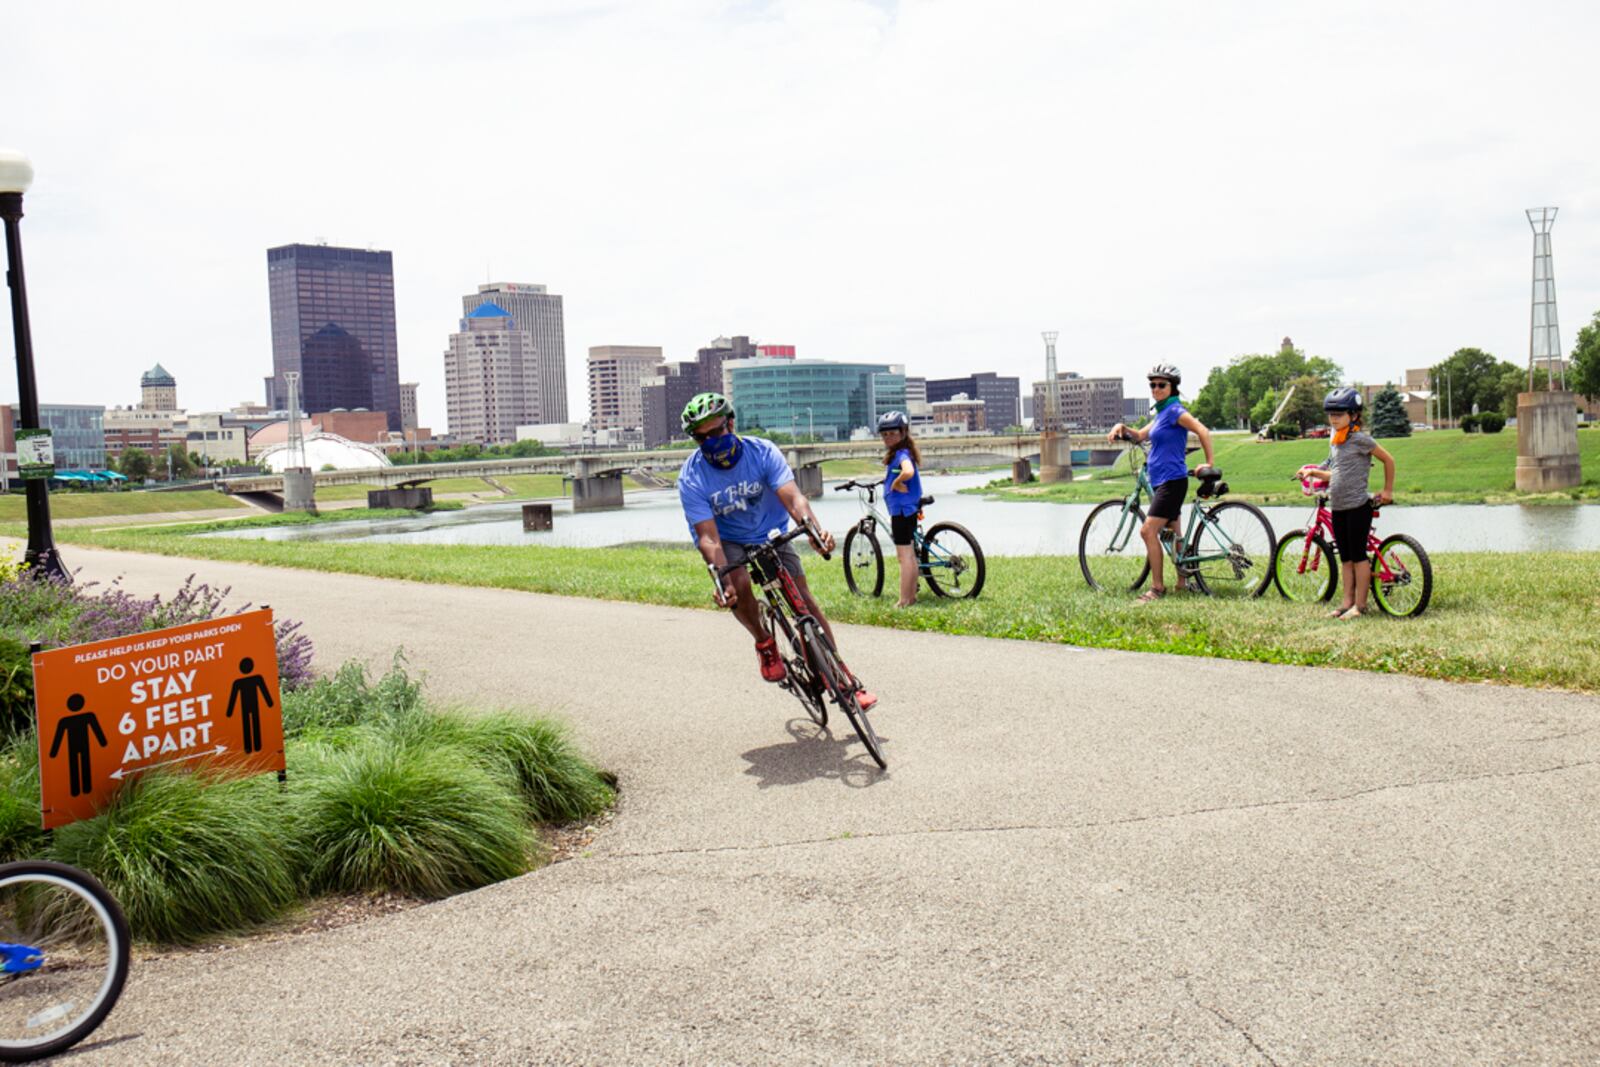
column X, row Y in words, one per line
column 814, row 673
column 1305, row 565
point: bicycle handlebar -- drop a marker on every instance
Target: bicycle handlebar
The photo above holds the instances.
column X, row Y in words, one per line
column 806, row 529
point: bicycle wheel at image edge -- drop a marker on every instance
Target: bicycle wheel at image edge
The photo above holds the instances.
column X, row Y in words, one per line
column 1111, row 553
column 1311, row 583
column 863, row 561
column 844, row 691
column 1235, row 549
column 63, row 958
column 1410, row 585
column 802, row 680
column 951, row 561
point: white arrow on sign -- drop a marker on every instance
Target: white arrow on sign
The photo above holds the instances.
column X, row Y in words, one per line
column 219, row 750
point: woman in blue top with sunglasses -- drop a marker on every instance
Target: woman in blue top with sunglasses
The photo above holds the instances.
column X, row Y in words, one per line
column 1168, row 434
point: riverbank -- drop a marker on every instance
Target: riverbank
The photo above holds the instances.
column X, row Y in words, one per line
column 1432, row 467
column 1490, row 620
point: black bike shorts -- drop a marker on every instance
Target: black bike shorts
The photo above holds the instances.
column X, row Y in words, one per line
column 1350, row 529
column 1167, row 501
column 901, row 527
column 737, row 553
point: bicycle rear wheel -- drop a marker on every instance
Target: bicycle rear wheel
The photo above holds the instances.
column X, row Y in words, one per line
column 863, row 561
column 1234, row 550
column 63, row 958
column 843, row 688
column 1111, row 553
column 1304, row 572
column 951, row 561
column 802, row 678
column 1409, row 585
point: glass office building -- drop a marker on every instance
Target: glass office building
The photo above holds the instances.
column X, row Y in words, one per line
column 77, row 433
column 333, row 323
column 803, row 396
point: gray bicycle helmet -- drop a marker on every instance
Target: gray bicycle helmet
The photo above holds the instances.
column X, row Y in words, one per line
column 892, row 420
column 1167, row 371
column 1343, row 398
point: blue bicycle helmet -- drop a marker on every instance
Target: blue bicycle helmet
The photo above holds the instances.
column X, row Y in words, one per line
column 892, row 420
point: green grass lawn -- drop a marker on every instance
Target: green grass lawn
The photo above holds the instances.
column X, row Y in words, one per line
column 1431, row 467
column 1491, row 617
column 64, row 505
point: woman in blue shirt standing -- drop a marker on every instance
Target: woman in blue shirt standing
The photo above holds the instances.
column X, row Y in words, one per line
column 1168, row 434
column 902, row 493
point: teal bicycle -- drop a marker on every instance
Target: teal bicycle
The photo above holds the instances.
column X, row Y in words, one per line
column 949, row 558
column 1226, row 549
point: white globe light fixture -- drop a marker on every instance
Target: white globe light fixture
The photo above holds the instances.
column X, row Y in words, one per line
column 16, row 175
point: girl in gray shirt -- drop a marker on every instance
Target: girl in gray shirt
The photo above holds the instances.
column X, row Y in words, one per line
column 1349, row 465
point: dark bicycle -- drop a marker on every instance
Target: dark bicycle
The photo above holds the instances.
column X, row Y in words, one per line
column 948, row 556
column 814, row 673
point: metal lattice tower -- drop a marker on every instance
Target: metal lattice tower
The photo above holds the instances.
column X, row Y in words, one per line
column 297, row 437
column 1052, row 384
column 1544, row 338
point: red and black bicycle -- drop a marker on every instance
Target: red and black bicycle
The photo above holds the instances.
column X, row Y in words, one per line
column 815, row 674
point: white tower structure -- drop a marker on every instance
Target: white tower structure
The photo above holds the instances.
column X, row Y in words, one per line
column 1544, row 338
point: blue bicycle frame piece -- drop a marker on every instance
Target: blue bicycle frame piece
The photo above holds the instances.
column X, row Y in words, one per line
column 19, row 959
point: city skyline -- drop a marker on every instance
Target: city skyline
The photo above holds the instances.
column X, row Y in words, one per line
column 919, row 184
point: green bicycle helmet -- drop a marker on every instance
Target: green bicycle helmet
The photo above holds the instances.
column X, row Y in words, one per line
column 705, row 406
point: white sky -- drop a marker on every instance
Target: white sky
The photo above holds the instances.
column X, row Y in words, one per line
column 928, row 183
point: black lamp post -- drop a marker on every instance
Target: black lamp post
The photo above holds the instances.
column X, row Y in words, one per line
column 16, row 174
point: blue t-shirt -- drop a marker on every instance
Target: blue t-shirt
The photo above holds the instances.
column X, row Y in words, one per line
column 743, row 499
column 1168, row 442
column 903, row 502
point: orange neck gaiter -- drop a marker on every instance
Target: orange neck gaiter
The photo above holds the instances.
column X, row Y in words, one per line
column 1340, row 436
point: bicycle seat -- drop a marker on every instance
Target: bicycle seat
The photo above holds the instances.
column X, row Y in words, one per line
column 925, row 501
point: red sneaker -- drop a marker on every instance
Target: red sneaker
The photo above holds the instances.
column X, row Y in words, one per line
column 772, row 668
column 865, row 700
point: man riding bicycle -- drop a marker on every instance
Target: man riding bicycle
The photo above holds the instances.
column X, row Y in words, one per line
column 734, row 491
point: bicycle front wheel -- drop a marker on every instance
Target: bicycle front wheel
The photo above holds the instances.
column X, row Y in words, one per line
column 843, row 689
column 863, row 561
column 63, row 958
column 1111, row 553
column 951, row 561
column 1233, row 551
column 1402, row 576
column 1304, row 570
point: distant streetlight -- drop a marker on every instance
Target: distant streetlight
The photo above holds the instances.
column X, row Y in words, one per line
column 16, row 175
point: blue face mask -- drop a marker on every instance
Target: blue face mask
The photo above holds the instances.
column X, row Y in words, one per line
column 722, row 450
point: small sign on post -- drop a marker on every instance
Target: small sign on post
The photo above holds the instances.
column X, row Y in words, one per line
column 36, row 454
column 202, row 694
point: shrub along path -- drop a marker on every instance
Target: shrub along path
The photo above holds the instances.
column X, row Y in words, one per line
column 1077, row 854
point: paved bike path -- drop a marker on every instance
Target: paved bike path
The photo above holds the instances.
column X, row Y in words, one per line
column 1076, row 855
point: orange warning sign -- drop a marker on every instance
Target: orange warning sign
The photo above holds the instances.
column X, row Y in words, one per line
column 205, row 693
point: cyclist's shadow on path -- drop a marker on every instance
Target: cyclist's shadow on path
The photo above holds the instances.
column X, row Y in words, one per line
column 811, row 754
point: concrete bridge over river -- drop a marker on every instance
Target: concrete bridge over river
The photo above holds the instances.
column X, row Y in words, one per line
column 597, row 476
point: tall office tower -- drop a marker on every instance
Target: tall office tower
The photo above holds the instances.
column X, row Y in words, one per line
column 408, row 405
column 713, row 356
column 616, row 384
column 491, row 380
column 538, row 312
column 158, row 390
column 333, row 324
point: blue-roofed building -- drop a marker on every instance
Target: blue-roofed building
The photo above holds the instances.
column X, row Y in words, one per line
column 491, row 377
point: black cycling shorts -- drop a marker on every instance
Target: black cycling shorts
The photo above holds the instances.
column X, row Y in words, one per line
column 1167, row 501
column 901, row 527
column 1350, row 529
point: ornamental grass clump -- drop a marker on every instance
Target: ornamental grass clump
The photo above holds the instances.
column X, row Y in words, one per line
column 556, row 783
column 323, row 709
column 421, row 819
column 20, row 835
column 188, row 854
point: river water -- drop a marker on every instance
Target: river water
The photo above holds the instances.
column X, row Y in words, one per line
column 1004, row 528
